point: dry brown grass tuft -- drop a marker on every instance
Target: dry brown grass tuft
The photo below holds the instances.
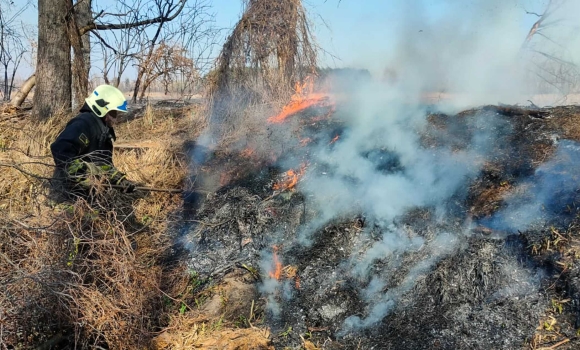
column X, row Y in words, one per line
column 568, row 122
column 191, row 332
column 163, row 124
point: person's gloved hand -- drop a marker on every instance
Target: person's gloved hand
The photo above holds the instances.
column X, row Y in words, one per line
column 120, row 179
column 127, row 186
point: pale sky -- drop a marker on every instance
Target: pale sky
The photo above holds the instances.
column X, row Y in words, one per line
column 365, row 33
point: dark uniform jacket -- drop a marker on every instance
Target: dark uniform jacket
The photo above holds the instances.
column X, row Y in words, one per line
column 85, row 137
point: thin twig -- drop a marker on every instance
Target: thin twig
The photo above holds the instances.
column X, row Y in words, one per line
column 556, row 345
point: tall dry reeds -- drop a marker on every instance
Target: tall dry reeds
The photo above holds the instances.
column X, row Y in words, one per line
column 270, row 49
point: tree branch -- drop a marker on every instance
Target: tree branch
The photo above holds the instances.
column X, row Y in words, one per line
column 102, row 40
column 164, row 18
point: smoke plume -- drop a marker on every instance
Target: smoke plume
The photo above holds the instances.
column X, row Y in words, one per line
column 381, row 168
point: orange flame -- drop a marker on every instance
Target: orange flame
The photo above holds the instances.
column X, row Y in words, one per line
column 247, row 153
column 290, row 179
column 277, row 273
column 334, row 139
column 302, row 99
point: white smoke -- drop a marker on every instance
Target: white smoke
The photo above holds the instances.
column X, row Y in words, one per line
column 276, row 291
column 547, row 194
column 473, row 52
column 349, row 178
column 384, row 302
column 351, row 181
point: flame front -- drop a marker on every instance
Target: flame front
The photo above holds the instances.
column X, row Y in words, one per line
column 303, row 98
column 277, row 273
column 290, row 179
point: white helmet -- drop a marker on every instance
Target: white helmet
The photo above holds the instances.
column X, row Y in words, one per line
column 106, row 98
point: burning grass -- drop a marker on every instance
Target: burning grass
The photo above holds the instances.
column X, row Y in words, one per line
column 303, row 98
column 470, row 289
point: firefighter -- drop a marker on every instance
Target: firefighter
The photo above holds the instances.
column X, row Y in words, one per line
column 83, row 151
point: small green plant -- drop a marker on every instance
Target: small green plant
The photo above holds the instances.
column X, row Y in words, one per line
column 217, row 325
column 556, row 306
column 241, row 322
column 549, row 324
column 182, row 309
column 146, row 219
column 194, row 279
column 286, row 333
column 67, row 208
column 92, row 214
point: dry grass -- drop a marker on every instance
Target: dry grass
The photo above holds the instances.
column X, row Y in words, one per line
column 93, row 272
column 190, row 332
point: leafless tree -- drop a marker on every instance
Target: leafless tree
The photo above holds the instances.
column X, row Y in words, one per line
column 547, row 48
column 117, row 53
column 12, row 48
column 188, row 41
column 198, row 38
column 189, row 38
column 60, row 29
column 545, row 20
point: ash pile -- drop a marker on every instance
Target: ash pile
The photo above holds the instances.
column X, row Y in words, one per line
column 400, row 228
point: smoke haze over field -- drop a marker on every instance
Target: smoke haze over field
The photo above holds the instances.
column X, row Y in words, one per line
column 547, row 194
column 380, row 167
column 473, row 49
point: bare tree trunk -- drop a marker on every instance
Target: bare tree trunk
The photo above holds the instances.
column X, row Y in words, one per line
column 53, row 67
column 144, row 65
column 82, row 50
column 20, row 96
column 6, row 82
column 147, row 84
column 14, row 75
column 137, row 87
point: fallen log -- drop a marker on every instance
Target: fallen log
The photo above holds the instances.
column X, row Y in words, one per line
column 21, row 95
column 517, row 111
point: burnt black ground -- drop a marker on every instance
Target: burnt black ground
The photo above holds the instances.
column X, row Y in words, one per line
column 489, row 291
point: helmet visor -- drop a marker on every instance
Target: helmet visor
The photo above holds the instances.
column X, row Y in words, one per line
column 123, row 107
